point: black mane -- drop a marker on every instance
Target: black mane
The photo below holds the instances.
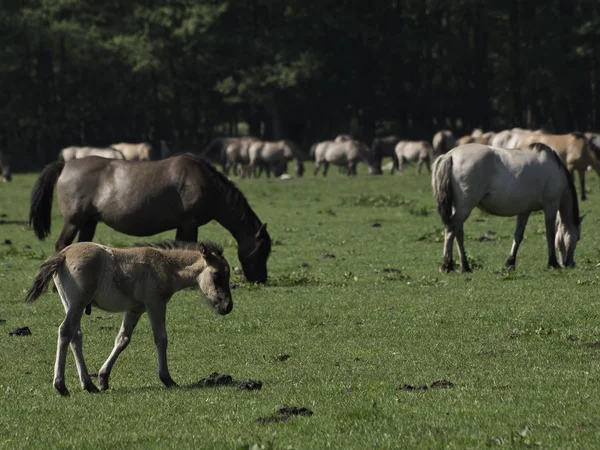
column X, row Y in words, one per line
column 170, row 244
column 572, row 189
column 230, row 191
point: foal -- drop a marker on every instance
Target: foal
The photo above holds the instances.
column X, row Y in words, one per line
column 133, row 280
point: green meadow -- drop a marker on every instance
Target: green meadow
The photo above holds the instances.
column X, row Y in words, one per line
column 354, row 323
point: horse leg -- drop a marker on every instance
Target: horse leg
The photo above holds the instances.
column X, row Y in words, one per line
column 395, row 163
column 67, row 235
column 400, row 166
column 187, row 232
column 77, row 348
column 460, row 245
column 156, row 314
column 550, row 219
column 130, row 320
column 352, row 168
column 519, row 231
column 582, row 184
column 419, row 166
column 316, row 169
column 325, row 168
column 87, row 231
column 448, row 263
column 66, row 332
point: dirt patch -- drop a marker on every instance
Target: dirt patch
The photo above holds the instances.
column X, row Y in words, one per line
column 327, row 256
column 483, row 239
column 216, row 379
column 285, row 413
column 283, row 357
column 410, row 387
column 442, row 384
column 23, row 331
column 593, row 345
column 376, row 225
column 7, row 242
column 2, row 321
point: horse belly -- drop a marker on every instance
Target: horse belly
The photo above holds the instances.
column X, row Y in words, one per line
column 410, row 153
column 508, row 205
column 113, row 300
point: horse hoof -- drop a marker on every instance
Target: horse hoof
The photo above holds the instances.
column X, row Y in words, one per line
column 91, row 388
column 103, row 383
column 465, row 270
column 62, row 390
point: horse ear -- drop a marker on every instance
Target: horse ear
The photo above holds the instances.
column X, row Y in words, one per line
column 262, row 231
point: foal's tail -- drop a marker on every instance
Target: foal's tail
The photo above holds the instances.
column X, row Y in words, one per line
column 47, row 270
column 40, row 209
column 442, row 187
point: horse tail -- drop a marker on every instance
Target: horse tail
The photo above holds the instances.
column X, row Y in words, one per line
column 40, row 209
column 47, row 270
column 442, row 186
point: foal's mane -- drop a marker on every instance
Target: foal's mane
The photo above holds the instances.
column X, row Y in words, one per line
column 538, row 147
column 212, row 247
column 230, row 191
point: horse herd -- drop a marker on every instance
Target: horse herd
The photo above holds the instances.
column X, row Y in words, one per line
column 140, row 197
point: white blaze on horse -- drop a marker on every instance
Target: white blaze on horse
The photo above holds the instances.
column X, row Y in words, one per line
column 69, row 153
column 135, row 152
column 420, row 152
column 507, row 182
column 345, row 154
column 130, row 280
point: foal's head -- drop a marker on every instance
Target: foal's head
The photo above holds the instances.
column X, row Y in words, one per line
column 214, row 279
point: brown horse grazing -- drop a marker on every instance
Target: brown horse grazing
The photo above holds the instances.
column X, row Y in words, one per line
column 141, row 151
column 130, row 280
column 382, row 147
column 5, row 173
column 142, row 198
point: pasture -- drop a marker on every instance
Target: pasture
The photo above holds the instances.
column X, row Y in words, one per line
column 354, row 310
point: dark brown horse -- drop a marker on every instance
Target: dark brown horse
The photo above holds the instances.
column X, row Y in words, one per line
column 142, row 198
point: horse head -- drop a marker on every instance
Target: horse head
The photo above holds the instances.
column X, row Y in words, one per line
column 253, row 254
column 566, row 238
column 214, row 280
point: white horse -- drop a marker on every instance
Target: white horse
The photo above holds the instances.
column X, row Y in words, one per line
column 69, row 153
column 420, row 152
column 133, row 280
column 507, row 182
column 276, row 155
column 345, row 154
column 237, row 156
column 141, row 151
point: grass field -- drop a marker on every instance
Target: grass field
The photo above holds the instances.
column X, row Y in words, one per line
column 354, row 309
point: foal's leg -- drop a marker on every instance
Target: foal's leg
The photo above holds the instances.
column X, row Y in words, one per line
column 550, row 219
column 156, row 313
column 130, row 320
column 66, row 332
column 519, row 231
column 76, row 347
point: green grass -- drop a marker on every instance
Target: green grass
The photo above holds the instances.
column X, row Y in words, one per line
column 518, row 347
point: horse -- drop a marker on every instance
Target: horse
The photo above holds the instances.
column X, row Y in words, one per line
column 420, row 152
column 5, row 172
column 274, row 154
column 443, row 141
column 129, row 280
column 141, row 151
column 577, row 151
column 343, row 138
column 507, row 182
column 69, row 153
column 384, row 147
column 229, row 152
column 345, row 154
column 142, row 198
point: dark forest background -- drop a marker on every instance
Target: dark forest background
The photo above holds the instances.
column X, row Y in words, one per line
column 94, row 72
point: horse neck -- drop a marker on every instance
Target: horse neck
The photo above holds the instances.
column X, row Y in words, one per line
column 566, row 209
column 187, row 264
column 238, row 219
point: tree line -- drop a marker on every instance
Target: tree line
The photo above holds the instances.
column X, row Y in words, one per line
column 94, row 72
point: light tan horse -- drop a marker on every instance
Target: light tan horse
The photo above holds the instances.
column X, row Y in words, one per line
column 134, row 152
column 69, row 153
column 236, row 155
column 443, row 141
column 420, row 152
column 575, row 150
column 275, row 155
column 130, row 280
column 345, row 154
column 507, row 182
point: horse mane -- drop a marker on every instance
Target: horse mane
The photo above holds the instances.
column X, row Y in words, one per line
column 232, row 194
column 570, row 180
column 170, row 244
